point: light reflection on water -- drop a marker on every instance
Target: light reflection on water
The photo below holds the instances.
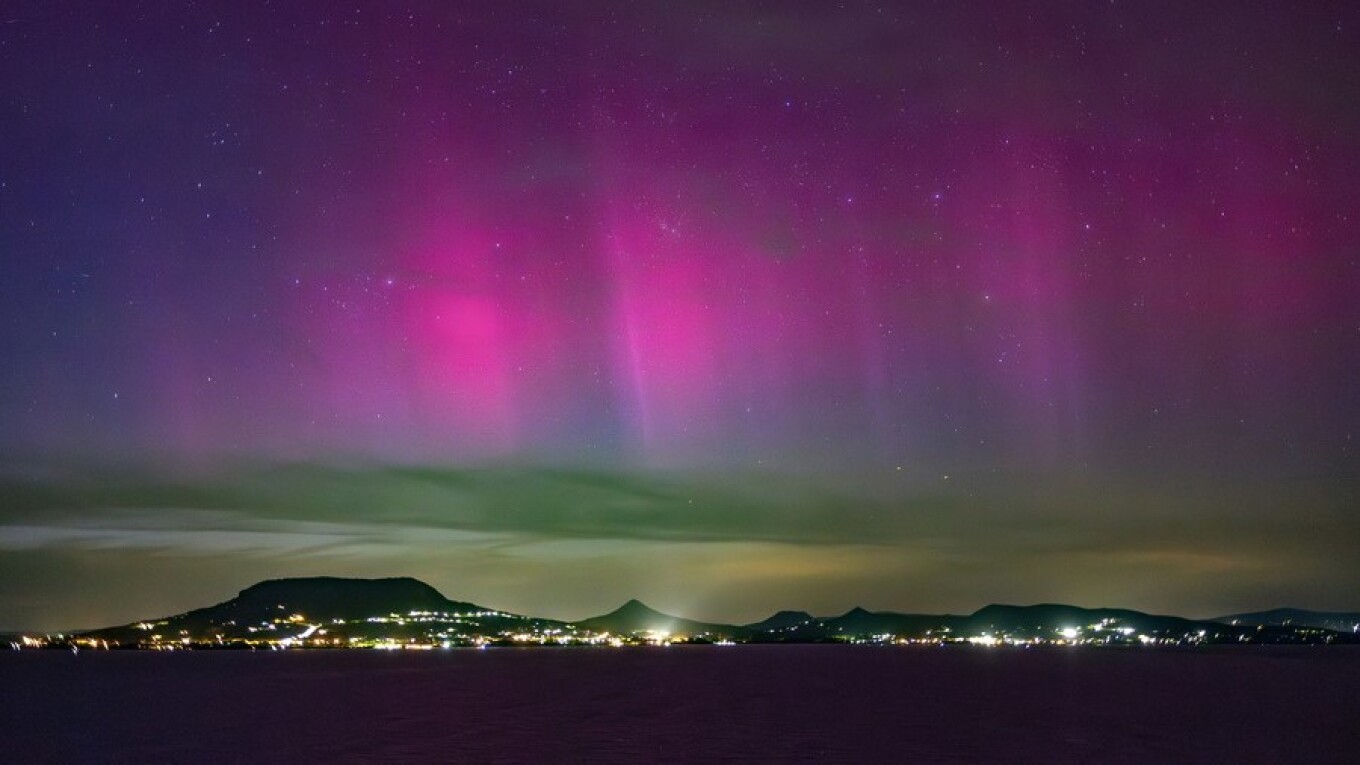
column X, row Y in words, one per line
column 685, row 703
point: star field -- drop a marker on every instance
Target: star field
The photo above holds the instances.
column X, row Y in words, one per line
column 1090, row 268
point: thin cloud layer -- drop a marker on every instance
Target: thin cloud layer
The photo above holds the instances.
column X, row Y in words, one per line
column 732, row 541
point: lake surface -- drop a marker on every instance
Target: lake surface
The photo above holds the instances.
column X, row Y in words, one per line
column 745, row 703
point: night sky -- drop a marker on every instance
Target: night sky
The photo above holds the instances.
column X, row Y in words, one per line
column 727, row 306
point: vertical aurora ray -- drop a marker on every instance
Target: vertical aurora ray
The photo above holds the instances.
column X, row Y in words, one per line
column 927, row 257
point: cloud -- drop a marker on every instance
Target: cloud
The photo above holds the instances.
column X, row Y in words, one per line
column 571, row 542
column 319, row 506
column 192, row 531
column 532, row 501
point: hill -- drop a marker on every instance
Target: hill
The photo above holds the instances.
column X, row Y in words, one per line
column 405, row 612
column 343, row 611
column 858, row 621
column 783, row 620
column 1045, row 618
column 1045, row 621
column 636, row 617
column 1340, row 621
column 326, row 598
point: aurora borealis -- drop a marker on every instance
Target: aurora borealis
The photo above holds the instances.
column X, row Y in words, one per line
column 727, row 306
